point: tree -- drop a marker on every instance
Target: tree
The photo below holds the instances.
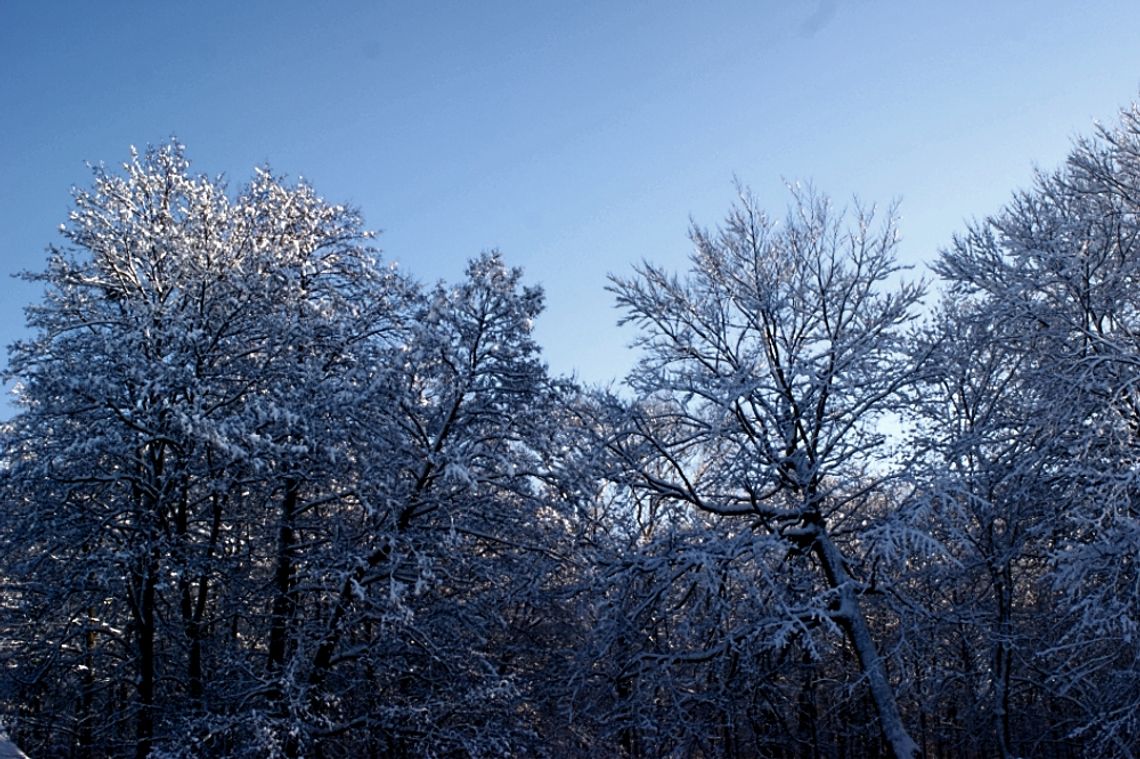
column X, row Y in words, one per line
column 1058, row 268
column 982, row 607
column 764, row 376
column 430, row 614
column 255, row 473
column 169, row 394
column 266, row 496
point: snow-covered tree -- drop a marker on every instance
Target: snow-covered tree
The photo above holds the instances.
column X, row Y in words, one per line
column 765, row 375
column 1058, row 269
column 993, row 502
column 265, row 496
column 424, row 634
column 178, row 413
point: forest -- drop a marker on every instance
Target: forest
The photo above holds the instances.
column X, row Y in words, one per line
column 265, row 495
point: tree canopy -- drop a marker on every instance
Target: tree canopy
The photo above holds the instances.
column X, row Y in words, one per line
column 265, row 495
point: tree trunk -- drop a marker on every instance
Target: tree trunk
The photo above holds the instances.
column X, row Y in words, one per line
column 807, row 714
column 1002, row 657
column 87, row 698
column 144, row 581
column 849, row 615
column 142, row 591
column 284, row 599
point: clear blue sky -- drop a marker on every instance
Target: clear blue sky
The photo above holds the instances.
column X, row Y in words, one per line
column 576, row 137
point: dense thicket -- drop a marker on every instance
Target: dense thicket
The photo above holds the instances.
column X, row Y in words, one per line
column 264, row 496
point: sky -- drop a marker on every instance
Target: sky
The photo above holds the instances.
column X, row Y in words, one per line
column 577, row 138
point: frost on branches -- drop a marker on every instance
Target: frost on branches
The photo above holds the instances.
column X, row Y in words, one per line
column 764, row 374
column 265, row 496
column 1057, row 269
column 264, row 493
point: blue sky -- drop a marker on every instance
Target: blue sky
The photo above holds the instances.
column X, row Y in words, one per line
column 577, row 138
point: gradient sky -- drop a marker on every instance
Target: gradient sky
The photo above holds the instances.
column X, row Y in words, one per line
column 576, row 137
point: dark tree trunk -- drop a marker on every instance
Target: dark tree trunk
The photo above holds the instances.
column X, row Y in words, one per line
column 284, row 576
column 144, row 582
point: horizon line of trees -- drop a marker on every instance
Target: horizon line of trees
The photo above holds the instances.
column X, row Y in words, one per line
column 265, row 496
